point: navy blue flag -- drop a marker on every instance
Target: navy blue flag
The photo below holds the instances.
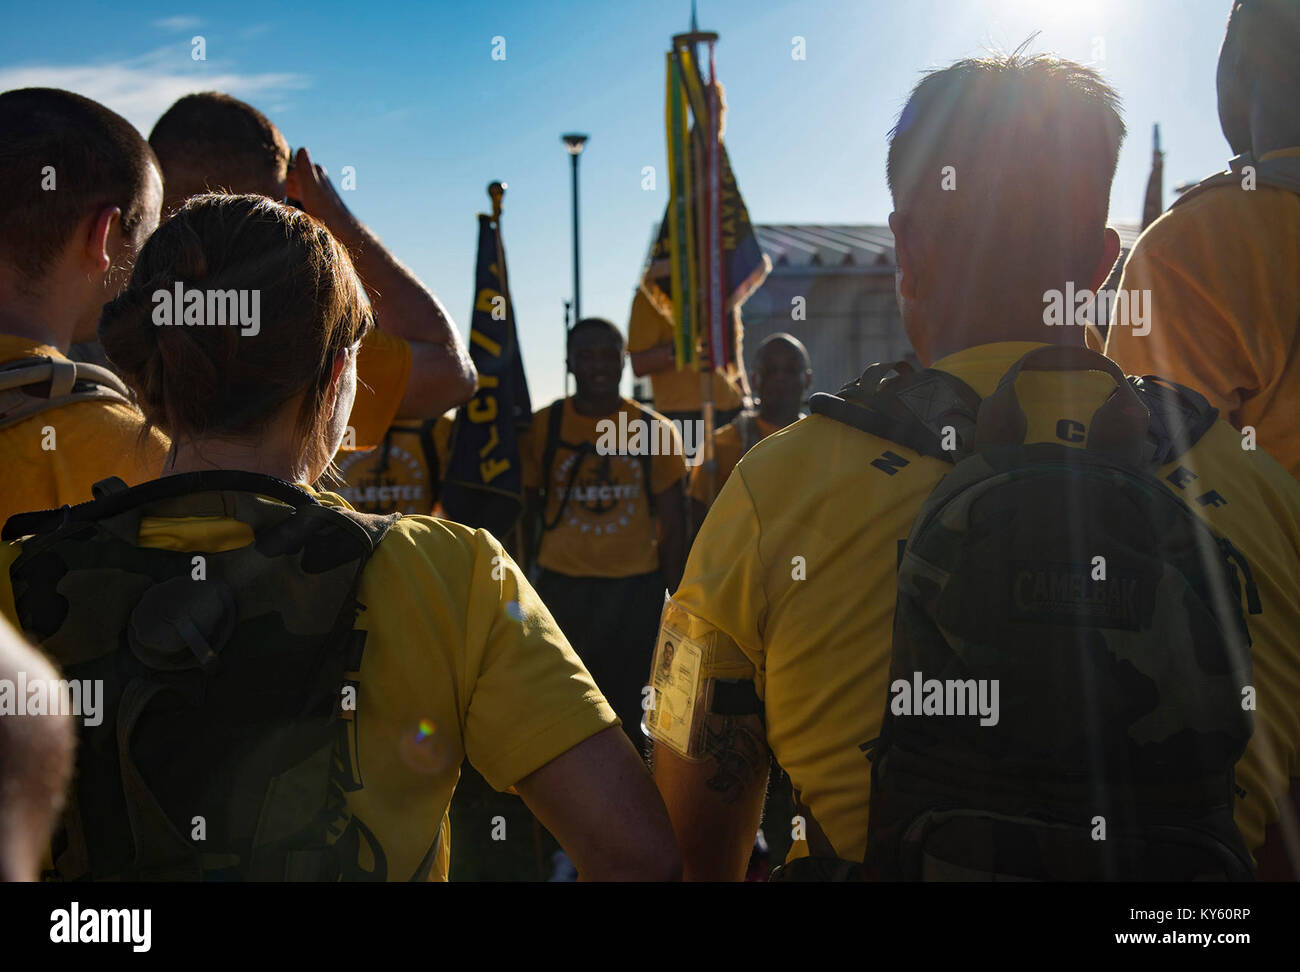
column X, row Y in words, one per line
column 484, row 483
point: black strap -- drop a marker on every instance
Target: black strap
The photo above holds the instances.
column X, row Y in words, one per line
column 554, row 420
column 111, row 504
column 735, row 697
column 898, row 409
column 1179, row 416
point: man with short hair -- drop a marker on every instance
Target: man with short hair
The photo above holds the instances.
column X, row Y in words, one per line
column 789, row 595
column 612, row 520
column 1221, row 265
column 413, row 365
column 82, row 192
column 781, row 378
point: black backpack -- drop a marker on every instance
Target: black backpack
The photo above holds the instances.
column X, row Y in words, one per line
column 1069, row 653
column 227, row 743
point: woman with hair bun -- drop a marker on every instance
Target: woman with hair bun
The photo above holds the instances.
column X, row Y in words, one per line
column 290, row 687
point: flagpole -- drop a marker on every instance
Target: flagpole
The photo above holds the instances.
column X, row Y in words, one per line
column 496, row 192
column 709, row 259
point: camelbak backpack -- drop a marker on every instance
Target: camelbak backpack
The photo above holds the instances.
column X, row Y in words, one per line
column 226, row 742
column 29, row 386
column 1069, row 652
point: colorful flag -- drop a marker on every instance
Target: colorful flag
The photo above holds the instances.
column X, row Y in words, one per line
column 484, row 484
column 706, row 259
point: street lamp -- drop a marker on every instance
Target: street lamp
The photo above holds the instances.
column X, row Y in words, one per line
column 573, row 144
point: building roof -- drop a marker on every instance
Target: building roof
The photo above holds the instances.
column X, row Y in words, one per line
column 846, row 246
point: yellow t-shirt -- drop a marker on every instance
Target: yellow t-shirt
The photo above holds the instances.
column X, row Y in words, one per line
column 87, row 442
column 383, row 370
column 818, row 648
column 606, row 529
column 1224, row 275
column 727, row 450
column 458, row 647
column 674, row 390
column 397, row 476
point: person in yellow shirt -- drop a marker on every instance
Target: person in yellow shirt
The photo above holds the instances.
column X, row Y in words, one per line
column 781, row 379
column 611, row 524
column 297, row 684
column 676, row 390
column 82, row 194
column 403, row 473
column 786, row 610
column 1220, row 265
column 414, row 364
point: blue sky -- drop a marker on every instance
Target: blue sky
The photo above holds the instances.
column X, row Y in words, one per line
column 409, row 94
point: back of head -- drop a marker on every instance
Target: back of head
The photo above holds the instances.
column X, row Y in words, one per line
column 1259, row 74
column 211, row 141
column 199, row 381
column 62, row 158
column 1000, row 168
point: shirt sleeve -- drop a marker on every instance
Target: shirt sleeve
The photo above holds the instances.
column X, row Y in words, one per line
column 647, row 328
column 383, row 370
column 1208, row 327
column 531, row 442
column 723, row 583
column 532, row 699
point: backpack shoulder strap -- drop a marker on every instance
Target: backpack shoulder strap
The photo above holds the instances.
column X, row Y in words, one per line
column 1179, row 416
column 111, row 499
column 554, row 419
column 67, row 382
column 912, row 409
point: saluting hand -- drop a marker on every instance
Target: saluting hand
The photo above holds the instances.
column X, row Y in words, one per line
column 310, row 185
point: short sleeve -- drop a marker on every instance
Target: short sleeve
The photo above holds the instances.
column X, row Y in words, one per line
column 531, row 442
column 723, row 581
column 647, row 328
column 531, row 698
column 1210, row 325
column 383, row 370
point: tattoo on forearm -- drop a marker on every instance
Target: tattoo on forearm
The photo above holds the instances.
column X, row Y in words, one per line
column 739, row 753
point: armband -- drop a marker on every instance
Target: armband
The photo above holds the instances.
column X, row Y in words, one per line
column 691, row 658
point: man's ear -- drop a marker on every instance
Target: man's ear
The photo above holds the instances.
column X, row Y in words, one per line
column 904, row 256
column 1110, row 248
column 99, row 232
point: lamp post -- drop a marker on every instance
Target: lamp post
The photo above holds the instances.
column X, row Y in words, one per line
column 574, row 144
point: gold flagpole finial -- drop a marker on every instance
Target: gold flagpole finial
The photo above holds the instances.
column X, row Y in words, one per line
column 496, row 190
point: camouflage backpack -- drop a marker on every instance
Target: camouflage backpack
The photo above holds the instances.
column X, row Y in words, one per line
column 224, row 744
column 29, row 386
column 1069, row 652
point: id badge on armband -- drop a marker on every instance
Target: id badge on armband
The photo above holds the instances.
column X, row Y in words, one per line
column 676, row 703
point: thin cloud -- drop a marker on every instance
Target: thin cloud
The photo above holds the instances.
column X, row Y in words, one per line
column 142, row 88
column 182, row 22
